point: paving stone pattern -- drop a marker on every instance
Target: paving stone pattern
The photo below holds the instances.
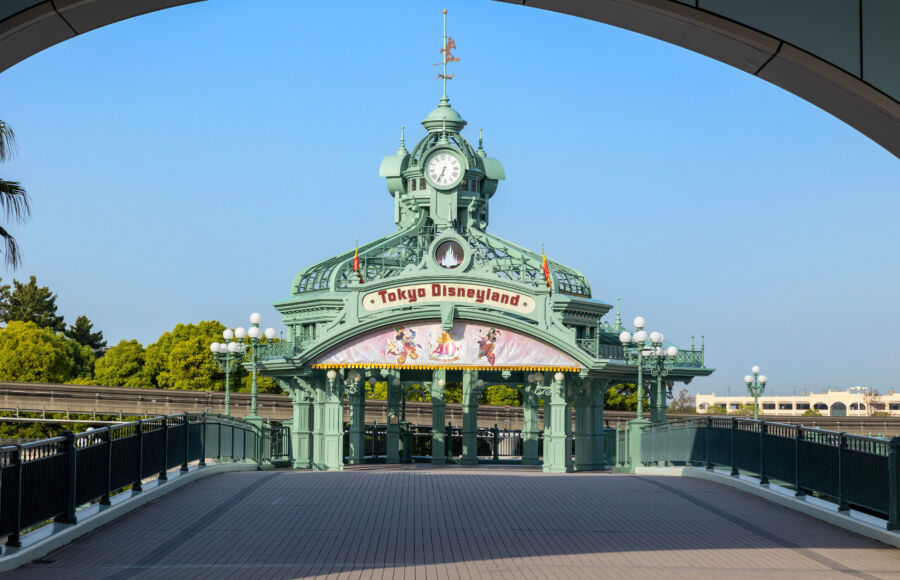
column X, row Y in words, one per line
column 465, row 523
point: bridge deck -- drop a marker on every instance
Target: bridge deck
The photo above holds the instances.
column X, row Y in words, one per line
column 463, row 523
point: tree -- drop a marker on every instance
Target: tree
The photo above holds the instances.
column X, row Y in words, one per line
column 122, row 366
column 81, row 333
column 744, row 410
column 32, row 354
column 683, row 403
column 623, row 397
column 180, row 359
column 13, row 199
column 30, row 302
column 716, row 410
column 812, row 413
column 501, row 395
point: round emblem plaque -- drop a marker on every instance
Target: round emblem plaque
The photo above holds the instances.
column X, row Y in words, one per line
column 449, row 254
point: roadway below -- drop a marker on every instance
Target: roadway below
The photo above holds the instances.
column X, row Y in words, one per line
column 457, row 522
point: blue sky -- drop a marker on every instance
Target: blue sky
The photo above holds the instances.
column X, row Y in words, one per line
column 185, row 165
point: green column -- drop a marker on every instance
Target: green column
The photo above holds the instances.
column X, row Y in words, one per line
column 394, row 394
column 318, row 434
column 470, row 418
column 661, row 400
column 332, row 458
column 530, row 454
column 584, row 440
column 635, row 427
column 357, row 424
column 557, row 445
column 598, row 428
column 438, row 408
column 654, row 410
column 301, row 436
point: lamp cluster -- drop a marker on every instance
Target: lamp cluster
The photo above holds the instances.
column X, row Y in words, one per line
column 230, row 352
column 640, row 338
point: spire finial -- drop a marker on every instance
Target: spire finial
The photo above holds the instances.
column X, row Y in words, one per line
column 692, row 342
column 480, row 139
column 447, row 46
column 618, row 315
column 402, row 150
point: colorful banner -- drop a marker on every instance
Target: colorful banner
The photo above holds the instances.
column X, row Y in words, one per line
column 427, row 345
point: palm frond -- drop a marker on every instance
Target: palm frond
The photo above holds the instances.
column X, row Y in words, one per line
column 14, row 200
column 7, row 141
column 11, row 254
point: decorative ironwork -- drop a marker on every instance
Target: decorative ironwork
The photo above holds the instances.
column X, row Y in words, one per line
column 275, row 350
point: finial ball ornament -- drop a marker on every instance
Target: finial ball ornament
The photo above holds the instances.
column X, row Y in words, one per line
column 559, row 377
column 640, row 336
column 254, row 332
column 214, row 347
column 240, row 332
column 672, row 351
column 270, row 333
column 748, row 379
column 228, row 334
column 255, row 318
column 234, row 347
column 639, row 322
column 625, row 337
column 656, row 337
column 763, row 379
column 396, row 382
column 442, row 383
column 755, row 369
column 353, row 376
column 331, row 374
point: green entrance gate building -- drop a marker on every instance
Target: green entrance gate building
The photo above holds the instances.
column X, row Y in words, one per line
column 441, row 301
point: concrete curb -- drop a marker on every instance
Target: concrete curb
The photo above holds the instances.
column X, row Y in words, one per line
column 852, row 520
column 44, row 540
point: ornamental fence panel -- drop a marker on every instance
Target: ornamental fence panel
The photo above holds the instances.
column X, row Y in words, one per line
column 48, row 479
column 851, row 470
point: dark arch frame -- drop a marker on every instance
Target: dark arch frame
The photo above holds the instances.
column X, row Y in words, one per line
column 867, row 102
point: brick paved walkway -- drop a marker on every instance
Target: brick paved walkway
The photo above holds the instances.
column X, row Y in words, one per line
column 463, row 523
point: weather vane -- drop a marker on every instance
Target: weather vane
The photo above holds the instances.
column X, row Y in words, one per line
column 448, row 45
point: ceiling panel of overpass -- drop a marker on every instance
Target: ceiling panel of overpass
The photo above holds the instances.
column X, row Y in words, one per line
column 881, row 45
column 827, row 28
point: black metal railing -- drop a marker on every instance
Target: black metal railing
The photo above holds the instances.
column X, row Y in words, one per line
column 852, row 470
column 48, row 479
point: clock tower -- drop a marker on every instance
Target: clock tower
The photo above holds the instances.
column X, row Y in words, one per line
column 444, row 179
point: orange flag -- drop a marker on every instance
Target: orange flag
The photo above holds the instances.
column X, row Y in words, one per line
column 546, row 270
column 356, row 264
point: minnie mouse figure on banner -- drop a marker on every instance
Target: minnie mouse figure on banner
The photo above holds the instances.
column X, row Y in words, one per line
column 486, row 344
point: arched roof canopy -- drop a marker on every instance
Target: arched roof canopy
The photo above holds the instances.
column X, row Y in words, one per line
column 839, row 55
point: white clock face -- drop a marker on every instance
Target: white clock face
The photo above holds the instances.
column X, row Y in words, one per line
column 443, row 169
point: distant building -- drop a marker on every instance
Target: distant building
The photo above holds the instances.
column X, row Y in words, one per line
column 833, row 402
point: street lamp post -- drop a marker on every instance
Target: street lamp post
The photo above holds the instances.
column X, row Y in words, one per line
column 228, row 356
column 255, row 335
column 756, row 385
column 646, row 351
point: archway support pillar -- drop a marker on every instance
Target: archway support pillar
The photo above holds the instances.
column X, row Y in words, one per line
column 357, row 396
column 598, row 429
column 530, row 434
column 470, row 418
column 394, row 395
column 584, row 440
column 557, row 443
column 438, row 411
